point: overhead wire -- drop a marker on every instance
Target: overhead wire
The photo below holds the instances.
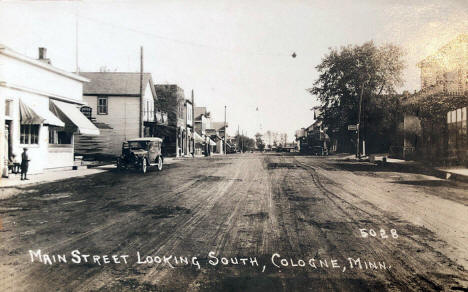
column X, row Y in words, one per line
column 183, row 42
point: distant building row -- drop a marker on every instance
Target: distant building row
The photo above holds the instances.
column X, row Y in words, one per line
column 58, row 115
column 115, row 105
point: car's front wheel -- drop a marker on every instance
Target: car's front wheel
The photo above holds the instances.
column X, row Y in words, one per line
column 144, row 166
column 120, row 165
column 160, row 163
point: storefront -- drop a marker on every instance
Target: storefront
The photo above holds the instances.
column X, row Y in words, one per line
column 211, row 146
column 41, row 111
column 199, row 144
column 457, row 136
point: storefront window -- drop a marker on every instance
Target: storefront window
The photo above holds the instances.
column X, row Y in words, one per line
column 29, row 134
column 58, row 136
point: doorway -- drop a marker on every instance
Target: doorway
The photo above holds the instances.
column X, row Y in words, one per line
column 8, row 136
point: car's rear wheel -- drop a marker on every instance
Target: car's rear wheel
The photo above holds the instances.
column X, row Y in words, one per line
column 144, row 166
column 160, row 163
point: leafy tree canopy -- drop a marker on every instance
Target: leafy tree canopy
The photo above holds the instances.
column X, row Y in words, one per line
column 259, row 141
column 344, row 73
column 434, row 107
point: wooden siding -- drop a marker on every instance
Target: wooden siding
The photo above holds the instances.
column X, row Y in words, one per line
column 123, row 116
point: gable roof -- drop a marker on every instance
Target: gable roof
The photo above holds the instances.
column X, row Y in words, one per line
column 445, row 53
column 116, row 83
column 218, row 125
column 199, row 110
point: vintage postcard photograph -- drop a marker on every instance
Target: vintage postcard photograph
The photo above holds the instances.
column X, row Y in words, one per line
column 217, row 145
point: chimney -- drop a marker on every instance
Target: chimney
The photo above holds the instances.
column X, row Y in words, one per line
column 43, row 55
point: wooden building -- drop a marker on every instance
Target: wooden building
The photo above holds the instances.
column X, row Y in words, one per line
column 40, row 110
column 119, row 108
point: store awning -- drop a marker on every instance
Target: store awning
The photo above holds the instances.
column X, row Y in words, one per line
column 28, row 116
column 38, row 115
column 198, row 138
column 70, row 113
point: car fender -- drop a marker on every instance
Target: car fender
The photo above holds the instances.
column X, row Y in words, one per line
column 159, row 156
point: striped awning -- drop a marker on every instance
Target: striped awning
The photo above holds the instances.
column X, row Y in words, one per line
column 28, row 116
column 198, row 138
column 70, row 113
column 37, row 116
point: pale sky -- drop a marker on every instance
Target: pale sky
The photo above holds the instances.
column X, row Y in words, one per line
column 233, row 53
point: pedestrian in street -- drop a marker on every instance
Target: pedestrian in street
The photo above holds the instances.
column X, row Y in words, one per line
column 24, row 164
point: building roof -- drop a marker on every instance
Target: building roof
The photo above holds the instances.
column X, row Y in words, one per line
column 218, row 125
column 145, row 139
column 14, row 54
column 199, row 110
column 441, row 54
column 212, row 133
column 116, row 83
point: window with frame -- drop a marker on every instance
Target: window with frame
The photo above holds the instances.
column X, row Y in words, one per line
column 58, row 136
column 29, row 134
column 8, row 107
column 102, row 105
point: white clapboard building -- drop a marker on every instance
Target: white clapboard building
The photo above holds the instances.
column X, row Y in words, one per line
column 115, row 99
column 40, row 111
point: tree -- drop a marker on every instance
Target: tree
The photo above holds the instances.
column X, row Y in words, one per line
column 434, row 107
column 268, row 138
column 245, row 143
column 274, row 136
column 259, row 142
column 344, row 75
column 104, row 69
column 284, row 138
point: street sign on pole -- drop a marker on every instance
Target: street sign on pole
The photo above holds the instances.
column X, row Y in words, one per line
column 352, row 127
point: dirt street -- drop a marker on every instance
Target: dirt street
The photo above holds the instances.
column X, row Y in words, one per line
column 250, row 222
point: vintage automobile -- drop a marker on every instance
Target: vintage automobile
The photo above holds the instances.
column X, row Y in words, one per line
column 140, row 154
column 319, row 150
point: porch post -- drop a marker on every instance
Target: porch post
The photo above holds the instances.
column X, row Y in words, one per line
column 2, row 140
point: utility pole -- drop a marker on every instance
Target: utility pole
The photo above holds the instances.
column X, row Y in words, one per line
column 141, row 129
column 358, row 154
column 77, row 69
column 186, row 145
column 242, row 141
column 225, row 152
column 193, row 125
column 238, row 136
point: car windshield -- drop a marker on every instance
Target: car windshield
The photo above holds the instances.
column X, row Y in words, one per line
column 135, row 145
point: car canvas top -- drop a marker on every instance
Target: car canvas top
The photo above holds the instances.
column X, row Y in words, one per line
column 145, row 139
